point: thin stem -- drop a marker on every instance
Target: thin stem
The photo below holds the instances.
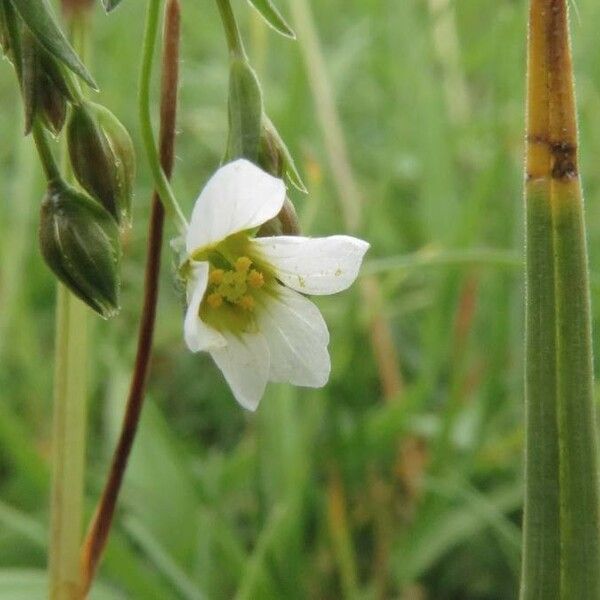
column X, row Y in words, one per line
column 70, row 408
column 70, row 383
column 161, row 182
column 232, row 31
column 51, row 170
column 100, row 526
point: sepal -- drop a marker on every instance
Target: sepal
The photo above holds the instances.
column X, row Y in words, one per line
column 103, row 158
column 79, row 241
column 44, row 85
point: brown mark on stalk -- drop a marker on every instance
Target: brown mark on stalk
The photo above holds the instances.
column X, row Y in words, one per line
column 552, row 128
column 99, row 530
column 563, row 156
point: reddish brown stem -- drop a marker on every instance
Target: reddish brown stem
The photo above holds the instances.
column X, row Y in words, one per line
column 99, row 530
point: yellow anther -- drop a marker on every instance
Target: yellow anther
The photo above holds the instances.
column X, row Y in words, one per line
column 214, row 300
column 242, row 264
column 216, row 276
column 255, row 279
column 246, row 302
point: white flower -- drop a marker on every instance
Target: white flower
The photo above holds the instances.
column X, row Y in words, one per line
column 244, row 305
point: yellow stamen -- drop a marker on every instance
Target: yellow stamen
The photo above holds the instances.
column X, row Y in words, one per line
column 214, row 300
column 246, row 302
column 242, row 264
column 216, row 276
column 255, row 279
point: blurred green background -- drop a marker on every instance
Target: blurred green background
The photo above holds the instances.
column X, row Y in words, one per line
column 402, row 478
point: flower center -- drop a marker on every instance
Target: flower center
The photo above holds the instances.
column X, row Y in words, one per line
column 236, row 286
column 236, row 281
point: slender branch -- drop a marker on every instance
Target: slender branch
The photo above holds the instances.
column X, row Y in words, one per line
column 232, row 31
column 51, row 170
column 161, row 182
column 68, row 461
column 100, row 527
column 69, row 415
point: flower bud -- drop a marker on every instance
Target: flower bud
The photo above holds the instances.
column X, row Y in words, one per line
column 285, row 223
column 274, row 156
column 102, row 158
column 44, row 85
column 275, row 159
column 253, row 136
column 4, row 35
column 245, row 108
column 79, row 240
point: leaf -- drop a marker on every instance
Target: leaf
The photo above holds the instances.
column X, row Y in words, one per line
column 38, row 16
column 273, row 17
column 245, row 112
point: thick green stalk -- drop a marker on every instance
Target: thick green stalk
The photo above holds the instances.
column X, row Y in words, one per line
column 579, row 501
column 69, row 446
column 541, row 550
column 561, row 554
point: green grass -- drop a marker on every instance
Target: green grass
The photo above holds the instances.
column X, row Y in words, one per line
column 339, row 492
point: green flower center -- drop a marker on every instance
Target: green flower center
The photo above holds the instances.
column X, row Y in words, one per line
column 238, row 282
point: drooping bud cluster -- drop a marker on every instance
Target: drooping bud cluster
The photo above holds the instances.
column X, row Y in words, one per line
column 79, row 230
column 43, row 60
column 79, row 240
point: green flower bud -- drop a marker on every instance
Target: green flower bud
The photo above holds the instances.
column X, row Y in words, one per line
column 44, row 85
column 275, row 159
column 245, row 110
column 274, row 156
column 103, row 158
column 285, row 223
column 253, row 136
column 4, row 35
column 79, row 240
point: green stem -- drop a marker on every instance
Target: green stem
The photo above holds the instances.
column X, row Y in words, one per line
column 69, row 426
column 578, row 441
column 232, row 31
column 161, row 182
column 42, row 144
column 70, row 413
column 541, row 530
column 561, row 554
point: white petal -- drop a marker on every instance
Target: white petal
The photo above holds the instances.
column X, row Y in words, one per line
column 198, row 335
column 297, row 336
column 314, row 265
column 237, row 197
column 244, row 362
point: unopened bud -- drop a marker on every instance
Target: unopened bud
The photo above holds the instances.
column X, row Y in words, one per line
column 4, row 35
column 285, row 223
column 44, row 85
column 102, row 157
column 274, row 156
column 79, row 240
column 245, row 109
